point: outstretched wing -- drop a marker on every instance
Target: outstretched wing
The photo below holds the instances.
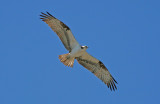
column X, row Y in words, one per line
column 62, row 30
column 98, row 69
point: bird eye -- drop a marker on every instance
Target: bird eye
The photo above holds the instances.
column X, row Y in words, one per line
column 82, row 47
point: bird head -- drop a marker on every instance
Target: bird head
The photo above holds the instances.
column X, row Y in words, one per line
column 84, row 47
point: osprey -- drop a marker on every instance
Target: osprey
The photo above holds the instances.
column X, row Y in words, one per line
column 78, row 52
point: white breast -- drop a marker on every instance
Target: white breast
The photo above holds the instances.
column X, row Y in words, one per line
column 76, row 52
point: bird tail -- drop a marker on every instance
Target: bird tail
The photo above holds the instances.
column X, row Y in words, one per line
column 66, row 60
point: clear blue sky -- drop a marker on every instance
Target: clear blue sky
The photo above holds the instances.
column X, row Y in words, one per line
column 123, row 34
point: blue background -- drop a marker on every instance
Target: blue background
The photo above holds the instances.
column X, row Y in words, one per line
column 123, row 34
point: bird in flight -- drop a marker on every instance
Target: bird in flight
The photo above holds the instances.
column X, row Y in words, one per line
column 78, row 52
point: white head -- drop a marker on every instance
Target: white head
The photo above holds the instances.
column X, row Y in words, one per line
column 84, row 47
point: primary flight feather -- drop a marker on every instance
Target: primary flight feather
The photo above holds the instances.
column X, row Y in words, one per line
column 78, row 52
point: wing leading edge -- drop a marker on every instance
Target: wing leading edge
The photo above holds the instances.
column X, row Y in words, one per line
column 62, row 30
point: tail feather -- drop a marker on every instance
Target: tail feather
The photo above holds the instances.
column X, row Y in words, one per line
column 66, row 60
